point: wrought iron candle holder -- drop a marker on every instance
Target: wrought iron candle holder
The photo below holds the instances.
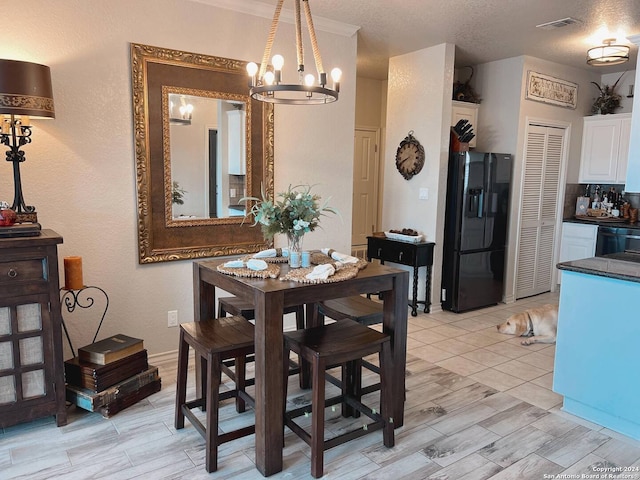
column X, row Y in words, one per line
column 72, row 299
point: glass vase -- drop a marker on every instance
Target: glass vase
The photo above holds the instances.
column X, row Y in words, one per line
column 295, row 250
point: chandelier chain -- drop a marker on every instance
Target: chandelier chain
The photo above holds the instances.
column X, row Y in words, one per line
column 299, row 48
column 312, row 35
column 272, row 34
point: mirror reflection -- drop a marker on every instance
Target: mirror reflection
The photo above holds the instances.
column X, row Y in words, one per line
column 207, row 154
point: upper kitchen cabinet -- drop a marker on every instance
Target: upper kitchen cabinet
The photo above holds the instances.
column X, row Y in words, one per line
column 236, row 120
column 605, row 148
column 466, row 111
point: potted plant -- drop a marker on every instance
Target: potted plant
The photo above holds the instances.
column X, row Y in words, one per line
column 608, row 100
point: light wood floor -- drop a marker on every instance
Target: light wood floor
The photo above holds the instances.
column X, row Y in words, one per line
column 479, row 405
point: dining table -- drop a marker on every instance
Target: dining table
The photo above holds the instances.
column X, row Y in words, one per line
column 270, row 296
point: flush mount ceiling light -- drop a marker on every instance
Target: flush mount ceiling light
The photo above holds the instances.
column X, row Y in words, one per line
column 266, row 85
column 608, row 54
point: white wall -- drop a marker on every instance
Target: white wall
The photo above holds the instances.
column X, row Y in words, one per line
column 419, row 99
column 80, row 168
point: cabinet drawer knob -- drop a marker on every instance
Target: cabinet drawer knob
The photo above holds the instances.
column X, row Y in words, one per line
column 400, row 256
column 13, row 273
column 379, row 251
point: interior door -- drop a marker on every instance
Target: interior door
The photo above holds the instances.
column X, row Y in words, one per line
column 543, row 157
column 366, row 173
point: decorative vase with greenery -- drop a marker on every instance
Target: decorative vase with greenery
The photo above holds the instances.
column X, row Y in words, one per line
column 293, row 213
column 608, row 100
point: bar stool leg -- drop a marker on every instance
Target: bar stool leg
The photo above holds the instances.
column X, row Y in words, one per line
column 386, row 400
column 214, row 376
column 241, row 382
column 317, row 418
column 181, row 389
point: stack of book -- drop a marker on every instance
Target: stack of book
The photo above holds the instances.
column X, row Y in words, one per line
column 110, row 375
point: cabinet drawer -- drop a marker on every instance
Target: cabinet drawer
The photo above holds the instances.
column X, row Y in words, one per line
column 396, row 252
column 24, row 270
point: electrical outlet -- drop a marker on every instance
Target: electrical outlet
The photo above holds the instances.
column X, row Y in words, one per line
column 423, row 194
column 172, row 318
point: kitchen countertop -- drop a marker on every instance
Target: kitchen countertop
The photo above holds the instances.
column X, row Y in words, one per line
column 621, row 224
column 622, row 266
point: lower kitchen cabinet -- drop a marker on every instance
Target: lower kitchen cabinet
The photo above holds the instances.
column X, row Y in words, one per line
column 577, row 241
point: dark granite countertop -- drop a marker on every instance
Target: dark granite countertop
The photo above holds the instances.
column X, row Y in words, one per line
column 622, row 266
column 605, row 223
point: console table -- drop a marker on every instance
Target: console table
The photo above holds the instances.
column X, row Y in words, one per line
column 31, row 366
column 414, row 255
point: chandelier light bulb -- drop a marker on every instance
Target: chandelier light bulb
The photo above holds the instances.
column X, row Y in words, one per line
column 269, row 77
column 277, row 61
column 336, row 74
column 309, row 80
column 252, row 69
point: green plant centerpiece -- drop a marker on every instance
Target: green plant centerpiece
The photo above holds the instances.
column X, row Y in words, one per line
column 608, row 100
column 177, row 193
column 292, row 213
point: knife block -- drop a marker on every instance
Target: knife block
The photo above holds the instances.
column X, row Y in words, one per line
column 455, row 145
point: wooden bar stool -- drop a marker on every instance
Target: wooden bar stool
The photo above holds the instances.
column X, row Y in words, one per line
column 364, row 311
column 339, row 343
column 236, row 306
column 214, row 340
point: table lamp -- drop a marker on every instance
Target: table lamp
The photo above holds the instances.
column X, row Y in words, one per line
column 25, row 92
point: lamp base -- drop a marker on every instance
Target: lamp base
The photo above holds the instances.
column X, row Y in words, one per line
column 23, row 217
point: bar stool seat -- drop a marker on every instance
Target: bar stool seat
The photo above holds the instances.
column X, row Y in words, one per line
column 339, row 343
column 361, row 310
column 213, row 341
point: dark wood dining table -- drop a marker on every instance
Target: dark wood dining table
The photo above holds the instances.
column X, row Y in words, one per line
column 270, row 297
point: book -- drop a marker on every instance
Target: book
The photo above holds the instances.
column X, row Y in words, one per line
column 98, row 377
column 129, row 399
column 91, row 401
column 110, row 349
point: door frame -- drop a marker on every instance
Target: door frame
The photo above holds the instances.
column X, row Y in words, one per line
column 540, row 122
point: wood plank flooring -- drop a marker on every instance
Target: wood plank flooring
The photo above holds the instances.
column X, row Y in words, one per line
column 479, row 406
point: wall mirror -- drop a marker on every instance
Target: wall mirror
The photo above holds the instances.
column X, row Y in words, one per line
column 201, row 145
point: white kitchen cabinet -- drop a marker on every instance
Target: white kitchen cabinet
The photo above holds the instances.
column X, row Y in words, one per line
column 578, row 240
column 466, row 111
column 236, row 142
column 605, row 148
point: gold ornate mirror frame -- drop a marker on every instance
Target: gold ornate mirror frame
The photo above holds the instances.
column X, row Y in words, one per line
column 161, row 239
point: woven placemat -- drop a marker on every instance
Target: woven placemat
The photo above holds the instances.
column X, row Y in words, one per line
column 299, row 275
column 272, row 271
column 319, row 258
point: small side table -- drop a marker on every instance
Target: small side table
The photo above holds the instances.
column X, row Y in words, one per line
column 414, row 255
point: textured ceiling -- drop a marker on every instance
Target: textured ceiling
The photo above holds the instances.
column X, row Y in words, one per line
column 482, row 30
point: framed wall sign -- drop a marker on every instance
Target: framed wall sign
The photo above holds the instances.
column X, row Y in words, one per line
column 552, row 90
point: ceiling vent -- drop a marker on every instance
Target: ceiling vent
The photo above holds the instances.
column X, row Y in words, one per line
column 563, row 22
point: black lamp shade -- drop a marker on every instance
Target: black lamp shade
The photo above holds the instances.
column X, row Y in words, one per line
column 25, row 89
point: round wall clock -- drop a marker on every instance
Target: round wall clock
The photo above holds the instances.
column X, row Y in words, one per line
column 409, row 156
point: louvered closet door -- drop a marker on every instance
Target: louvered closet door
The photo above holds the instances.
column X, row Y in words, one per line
column 543, row 159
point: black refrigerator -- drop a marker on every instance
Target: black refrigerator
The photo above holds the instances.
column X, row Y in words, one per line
column 475, row 232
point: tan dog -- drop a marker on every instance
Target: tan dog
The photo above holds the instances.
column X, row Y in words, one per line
column 539, row 325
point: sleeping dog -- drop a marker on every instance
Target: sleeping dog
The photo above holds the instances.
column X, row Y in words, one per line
column 539, row 325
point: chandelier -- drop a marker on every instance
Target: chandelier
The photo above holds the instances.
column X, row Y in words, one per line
column 608, row 54
column 266, row 84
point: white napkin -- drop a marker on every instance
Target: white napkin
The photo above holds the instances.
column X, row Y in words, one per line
column 321, row 272
column 234, row 264
column 269, row 253
column 340, row 257
column 272, row 253
column 255, row 264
